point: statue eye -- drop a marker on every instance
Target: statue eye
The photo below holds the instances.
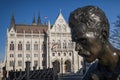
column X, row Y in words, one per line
column 74, row 39
column 83, row 40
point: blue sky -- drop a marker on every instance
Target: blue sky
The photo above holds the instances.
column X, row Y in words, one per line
column 25, row 10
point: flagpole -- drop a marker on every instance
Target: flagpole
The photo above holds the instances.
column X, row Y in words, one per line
column 46, row 20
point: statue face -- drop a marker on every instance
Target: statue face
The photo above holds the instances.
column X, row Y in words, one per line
column 88, row 45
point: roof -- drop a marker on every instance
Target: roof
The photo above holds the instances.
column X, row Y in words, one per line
column 21, row 28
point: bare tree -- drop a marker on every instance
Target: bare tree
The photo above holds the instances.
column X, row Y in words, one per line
column 115, row 33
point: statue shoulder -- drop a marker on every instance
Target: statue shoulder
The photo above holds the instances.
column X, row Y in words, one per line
column 90, row 71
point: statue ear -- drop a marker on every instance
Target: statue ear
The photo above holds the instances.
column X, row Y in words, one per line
column 104, row 36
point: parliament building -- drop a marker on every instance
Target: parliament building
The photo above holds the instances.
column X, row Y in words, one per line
column 44, row 45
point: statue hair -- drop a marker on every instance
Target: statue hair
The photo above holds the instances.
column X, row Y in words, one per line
column 93, row 17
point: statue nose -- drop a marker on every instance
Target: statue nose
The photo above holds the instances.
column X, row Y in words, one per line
column 78, row 47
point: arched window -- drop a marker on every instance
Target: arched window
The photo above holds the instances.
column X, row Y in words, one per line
column 11, row 45
column 20, row 46
column 56, row 65
column 28, row 46
column 64, row 54
column 53, row 54
column 67, row 66
column 69, row 54
column 58, row 54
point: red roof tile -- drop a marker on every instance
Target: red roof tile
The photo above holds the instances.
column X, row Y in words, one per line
column 31, row 28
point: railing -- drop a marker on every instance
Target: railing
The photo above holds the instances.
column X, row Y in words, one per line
column 45, row 74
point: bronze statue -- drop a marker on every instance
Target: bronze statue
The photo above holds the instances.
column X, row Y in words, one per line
column 90, row 30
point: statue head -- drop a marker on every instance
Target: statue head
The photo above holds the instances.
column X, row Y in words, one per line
column 90, row 30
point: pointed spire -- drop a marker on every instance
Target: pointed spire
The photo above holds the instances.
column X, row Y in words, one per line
column 39, row 20
column 34, row 22
column 60, row 10
column 60, row 13
column 12, row 24
column 60, row 16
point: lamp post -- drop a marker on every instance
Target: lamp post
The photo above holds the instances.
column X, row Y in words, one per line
column 27, row 69
column 62, row 66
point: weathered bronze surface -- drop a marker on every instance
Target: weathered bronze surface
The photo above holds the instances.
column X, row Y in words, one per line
column 90, row 30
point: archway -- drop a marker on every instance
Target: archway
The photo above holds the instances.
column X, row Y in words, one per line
column 67, row 67
column 56, row 65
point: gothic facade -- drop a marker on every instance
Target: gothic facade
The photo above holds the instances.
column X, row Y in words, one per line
column 45, row 46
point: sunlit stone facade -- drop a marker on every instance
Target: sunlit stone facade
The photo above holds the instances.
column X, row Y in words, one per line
column 44, row 46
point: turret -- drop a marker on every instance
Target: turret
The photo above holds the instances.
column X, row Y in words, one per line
column 49, row 25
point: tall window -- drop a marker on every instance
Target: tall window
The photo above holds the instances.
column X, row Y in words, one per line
column 28, row 46
column 35, row 46
column 20, row 46
column 35, row 55
column 12, row 46
column 11, row 63
column 56, row 65
column 27, row 55
column 59, row 44
column 64, row 44
column 11, row 55
column 35, row 63
column 43, row 46
column 69, row 54
column 19, row 55
column 43, row 64
column 19, row 63
column 70, row 44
